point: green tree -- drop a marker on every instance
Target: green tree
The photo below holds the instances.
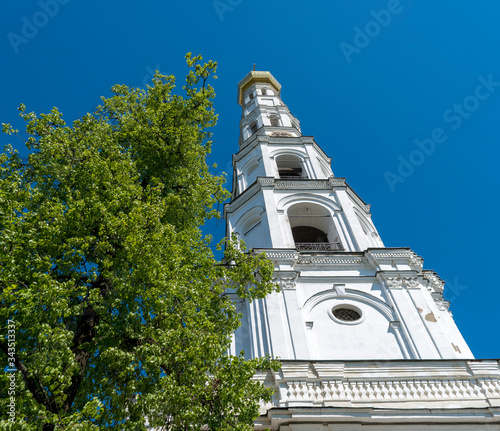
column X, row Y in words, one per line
column 119, row 303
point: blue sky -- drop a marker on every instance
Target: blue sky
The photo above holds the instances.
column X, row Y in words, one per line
column 366, row 78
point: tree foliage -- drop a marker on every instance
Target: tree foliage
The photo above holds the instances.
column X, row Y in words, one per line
column 119, row 304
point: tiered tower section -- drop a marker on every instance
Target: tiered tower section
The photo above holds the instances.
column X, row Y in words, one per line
column 284, row 192
column 345, row 295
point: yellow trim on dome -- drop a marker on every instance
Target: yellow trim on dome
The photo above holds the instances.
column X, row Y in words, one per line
column 253, row 77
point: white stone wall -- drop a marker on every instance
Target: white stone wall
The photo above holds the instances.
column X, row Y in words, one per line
column 403, row 315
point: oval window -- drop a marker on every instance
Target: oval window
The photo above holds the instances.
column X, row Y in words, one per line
column 346, row 314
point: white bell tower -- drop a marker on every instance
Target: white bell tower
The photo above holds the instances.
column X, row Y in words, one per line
column 275, row 160
column 357, row 325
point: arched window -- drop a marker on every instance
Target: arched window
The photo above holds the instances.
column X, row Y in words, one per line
column 264, row 91
column 275, row 122
column 313, row 228
column 290, row 167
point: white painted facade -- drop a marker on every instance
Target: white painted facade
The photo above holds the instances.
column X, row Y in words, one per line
column 347, row 302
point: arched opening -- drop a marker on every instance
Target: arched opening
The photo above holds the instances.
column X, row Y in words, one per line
column 264, row 91
column 313, row 228
column 308, row 234
column 290, row 167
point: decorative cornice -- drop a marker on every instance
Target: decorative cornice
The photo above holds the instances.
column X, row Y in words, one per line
column 435, row 283
column 241, row 199
column 337, row 182
column 375, row 256
column 327, row 260
column 380, row 256
column 382, row 384
column 294, row 140
column 249, row 144
column 390, row 254
column 265, row 181
column 296, row 258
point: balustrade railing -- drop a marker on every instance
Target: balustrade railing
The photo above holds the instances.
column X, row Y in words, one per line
column 327, row 246
column 292, row 177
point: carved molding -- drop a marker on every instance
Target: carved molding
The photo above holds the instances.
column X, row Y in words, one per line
column 393, row 283
column 401, row 282
column 281, row 254
column 298, row 184
column 288, row 140
column 411, row 283
column 281, row 134
column 390, row 254
column 287, row 281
